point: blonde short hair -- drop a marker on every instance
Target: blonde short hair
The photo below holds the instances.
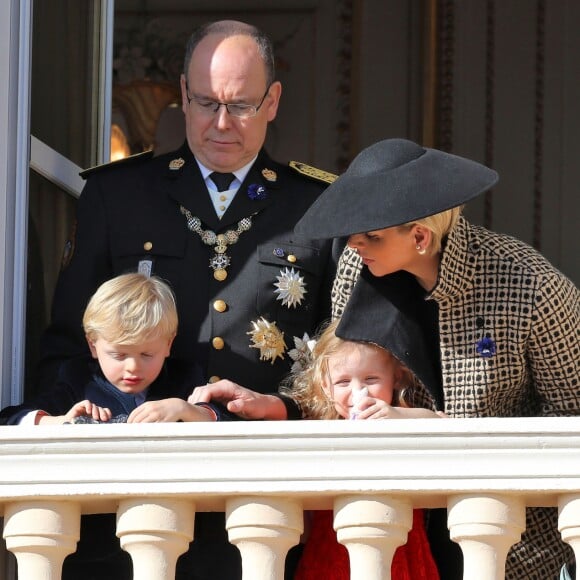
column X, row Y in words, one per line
column 440, row 224
column 130, row 309
column 306, row 385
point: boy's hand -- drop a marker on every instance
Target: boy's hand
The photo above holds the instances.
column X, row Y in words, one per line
column 86, row 408
column 169, row 410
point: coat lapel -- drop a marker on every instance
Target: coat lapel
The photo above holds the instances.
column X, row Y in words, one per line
column 242, row 205
column 186, row 186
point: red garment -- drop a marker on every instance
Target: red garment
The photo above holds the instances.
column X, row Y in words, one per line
column 325, row 559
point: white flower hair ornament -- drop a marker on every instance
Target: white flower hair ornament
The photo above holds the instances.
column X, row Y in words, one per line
column 301, row 354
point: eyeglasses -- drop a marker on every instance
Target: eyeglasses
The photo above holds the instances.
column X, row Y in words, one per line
column 240, row 110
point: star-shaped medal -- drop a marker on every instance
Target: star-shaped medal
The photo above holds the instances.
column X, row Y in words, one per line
column 268, row 338
column 290, row 288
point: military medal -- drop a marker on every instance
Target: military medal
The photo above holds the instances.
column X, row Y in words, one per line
column 257, row 192
column 145, row 267
column 175, row 164
column 268, row 338
column 220, row 261
column 290, row 288
column 269, row 174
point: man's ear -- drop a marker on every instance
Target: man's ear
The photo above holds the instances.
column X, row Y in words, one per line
column 184, row 99
column 91, row 347
column 273, row 100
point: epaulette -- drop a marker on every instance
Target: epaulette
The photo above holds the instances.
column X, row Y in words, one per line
column 313, row 172
column 125, row 161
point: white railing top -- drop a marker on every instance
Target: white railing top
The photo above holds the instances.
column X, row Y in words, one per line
column 538, row 458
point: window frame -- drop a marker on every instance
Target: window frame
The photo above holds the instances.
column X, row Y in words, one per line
column 19, row 152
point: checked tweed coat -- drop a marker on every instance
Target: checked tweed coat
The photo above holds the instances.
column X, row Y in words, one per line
column 496, row 289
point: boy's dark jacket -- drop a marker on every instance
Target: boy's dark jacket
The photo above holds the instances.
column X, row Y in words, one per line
column 81, row 378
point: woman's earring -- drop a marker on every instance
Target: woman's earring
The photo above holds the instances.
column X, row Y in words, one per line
column 420, row 250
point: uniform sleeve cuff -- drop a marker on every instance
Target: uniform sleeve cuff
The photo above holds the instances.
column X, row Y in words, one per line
column 220, row 412
column 293, row 411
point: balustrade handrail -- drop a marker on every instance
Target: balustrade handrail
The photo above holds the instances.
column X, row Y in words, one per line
column 538, row 458
column 154, row 477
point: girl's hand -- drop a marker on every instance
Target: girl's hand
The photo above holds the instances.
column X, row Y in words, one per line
column 371, row 408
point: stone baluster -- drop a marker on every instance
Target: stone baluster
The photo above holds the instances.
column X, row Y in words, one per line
column 372, row 528
column 263, row 529
column 41, row 534
column 155, row 532
column 569, row 522
column 485, row 526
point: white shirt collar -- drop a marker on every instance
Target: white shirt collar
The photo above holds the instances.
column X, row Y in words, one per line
column 239, row 173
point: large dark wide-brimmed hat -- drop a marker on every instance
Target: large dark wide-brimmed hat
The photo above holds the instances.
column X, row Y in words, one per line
column 391, row 183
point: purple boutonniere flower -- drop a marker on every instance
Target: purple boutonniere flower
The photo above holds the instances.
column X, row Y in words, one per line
column 486, row 347
column 257, row 192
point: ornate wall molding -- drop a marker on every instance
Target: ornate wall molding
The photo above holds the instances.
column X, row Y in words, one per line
column 344, row 83
column 445, row 58
column 489, row 104
column 539, row 124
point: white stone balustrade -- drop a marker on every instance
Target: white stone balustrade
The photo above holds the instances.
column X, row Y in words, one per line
column 263, row 474
column 372, row 528
column 41, row 534
column 155, row 532
column 263, row 529
column 485, row 527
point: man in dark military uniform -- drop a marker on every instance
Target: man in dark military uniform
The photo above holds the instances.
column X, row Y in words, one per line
column 247, row 288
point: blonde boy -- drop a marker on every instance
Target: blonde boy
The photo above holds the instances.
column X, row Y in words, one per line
column 130, row 323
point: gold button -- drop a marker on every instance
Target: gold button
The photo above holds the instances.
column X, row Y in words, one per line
column 217, row 342
column 222, row 207
column 147, row 246
column 291, row 258
column 220, row 306
column 214, row 379
column 223, row 197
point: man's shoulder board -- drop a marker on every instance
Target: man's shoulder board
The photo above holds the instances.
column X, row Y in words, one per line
column 313, row 172
column 125, row 161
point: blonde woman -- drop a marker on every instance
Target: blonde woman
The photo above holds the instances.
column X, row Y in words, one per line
column 495, row 326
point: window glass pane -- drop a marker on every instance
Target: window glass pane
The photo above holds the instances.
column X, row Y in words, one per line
column 64, row 66
column 64, row 113
column 50, row 219
column 148, row 48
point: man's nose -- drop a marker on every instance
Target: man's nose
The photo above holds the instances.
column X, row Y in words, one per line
column 222, row 118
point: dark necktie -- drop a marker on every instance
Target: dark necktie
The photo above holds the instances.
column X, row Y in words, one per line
column 222, row 180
